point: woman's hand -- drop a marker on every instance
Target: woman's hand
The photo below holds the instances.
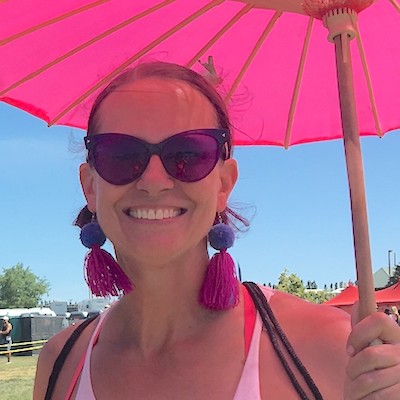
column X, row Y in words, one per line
column 373, row 371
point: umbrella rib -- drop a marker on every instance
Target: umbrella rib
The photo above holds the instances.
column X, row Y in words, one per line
column 51, row 21
column 368, row 79
column 253, row 53
column 85, row 45
column 395, row 4
column 139, row 54
column 300, row 71
column 219, row 34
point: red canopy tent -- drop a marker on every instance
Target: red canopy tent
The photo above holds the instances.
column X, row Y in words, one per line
column 345, row 299
column 388, row 295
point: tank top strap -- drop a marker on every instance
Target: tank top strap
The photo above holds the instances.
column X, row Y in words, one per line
column 83, row 366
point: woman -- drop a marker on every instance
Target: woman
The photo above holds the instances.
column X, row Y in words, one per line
column 173, row 335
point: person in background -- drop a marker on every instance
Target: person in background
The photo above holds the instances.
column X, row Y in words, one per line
column 395, row 314
column 5, row 336
column 157, row 182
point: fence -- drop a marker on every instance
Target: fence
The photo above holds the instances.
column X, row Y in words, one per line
column 30, row 333
column 16, row 347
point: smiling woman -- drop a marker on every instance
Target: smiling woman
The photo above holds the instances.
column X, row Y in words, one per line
column 157, row 181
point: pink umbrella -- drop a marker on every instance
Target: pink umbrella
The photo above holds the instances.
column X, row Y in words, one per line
column 272, row 58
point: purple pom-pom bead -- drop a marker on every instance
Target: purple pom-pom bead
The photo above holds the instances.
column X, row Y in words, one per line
column 221, row 236
column 92, row 235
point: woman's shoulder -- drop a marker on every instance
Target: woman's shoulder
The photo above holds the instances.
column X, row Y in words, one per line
column 296, row 311
column 318, row 333
column 52, row 349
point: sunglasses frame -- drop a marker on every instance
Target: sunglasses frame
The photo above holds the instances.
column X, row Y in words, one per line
column 219, row 134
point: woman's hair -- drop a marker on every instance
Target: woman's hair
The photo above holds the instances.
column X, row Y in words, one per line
column 168, row 71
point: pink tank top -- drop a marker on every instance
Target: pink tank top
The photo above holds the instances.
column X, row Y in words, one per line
column 247, row 389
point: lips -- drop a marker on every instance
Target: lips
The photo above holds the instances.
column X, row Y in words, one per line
column 155, row 213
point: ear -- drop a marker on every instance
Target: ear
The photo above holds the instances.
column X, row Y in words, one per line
column 86, row 174
column 228, row 176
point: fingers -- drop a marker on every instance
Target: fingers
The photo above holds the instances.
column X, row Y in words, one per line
column 376, row 326
column 376, row 384
column 373, row 358
column 373, row 372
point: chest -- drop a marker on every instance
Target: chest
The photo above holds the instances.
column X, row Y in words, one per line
column 187, row 373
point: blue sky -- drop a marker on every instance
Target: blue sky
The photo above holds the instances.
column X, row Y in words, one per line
column 299, row 198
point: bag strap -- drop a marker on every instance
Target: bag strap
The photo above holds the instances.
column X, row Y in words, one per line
column 63, row 356
column 274, row 329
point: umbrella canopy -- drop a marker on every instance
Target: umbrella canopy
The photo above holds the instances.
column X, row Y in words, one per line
column 277, row 67
column 272, row 61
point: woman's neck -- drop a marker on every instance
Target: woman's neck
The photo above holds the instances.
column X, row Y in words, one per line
column 163, row 306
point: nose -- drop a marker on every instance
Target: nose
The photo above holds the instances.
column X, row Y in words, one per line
column 155, row 178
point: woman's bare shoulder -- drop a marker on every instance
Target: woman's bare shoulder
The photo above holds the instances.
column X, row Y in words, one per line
column 313, row 327
column 294, row 307
column 318, row 334
column 48, row 356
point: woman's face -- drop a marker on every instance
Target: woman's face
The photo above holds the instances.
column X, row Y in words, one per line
column 153, row 109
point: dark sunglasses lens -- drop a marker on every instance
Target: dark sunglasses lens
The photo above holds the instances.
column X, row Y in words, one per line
column 190, row 158
column 119, row 160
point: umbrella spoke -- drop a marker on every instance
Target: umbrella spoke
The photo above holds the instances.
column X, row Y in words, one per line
column 135, row 57
column 299, row 77
column 395, row 4
column 85, row 45
column 252, row 54
column 368, row 79
column 219, row 34
column 52, row 21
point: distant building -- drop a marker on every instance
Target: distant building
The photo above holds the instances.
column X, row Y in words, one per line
column 95, row 304
column 59, row 307
column 381, row 278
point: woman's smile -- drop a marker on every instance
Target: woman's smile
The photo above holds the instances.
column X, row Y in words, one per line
column 155, row 213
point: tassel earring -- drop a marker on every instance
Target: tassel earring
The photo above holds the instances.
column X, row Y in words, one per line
column 103, row 275
column 220, row 288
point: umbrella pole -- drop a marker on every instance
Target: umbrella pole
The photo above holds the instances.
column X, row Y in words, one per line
column 354, row 164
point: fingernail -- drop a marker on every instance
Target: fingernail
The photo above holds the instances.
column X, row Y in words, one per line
column 350, row 351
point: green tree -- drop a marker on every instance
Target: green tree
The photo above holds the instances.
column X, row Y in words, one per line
column 291, row 283
column 395, row 277
column 21, row 288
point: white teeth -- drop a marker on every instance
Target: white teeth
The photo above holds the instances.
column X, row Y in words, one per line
column 154, row 214
column 159, row 214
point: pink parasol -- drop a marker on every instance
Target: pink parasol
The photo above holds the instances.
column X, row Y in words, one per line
column 272, row 58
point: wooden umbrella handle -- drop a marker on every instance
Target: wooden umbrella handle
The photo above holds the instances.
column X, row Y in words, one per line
column 355, row 173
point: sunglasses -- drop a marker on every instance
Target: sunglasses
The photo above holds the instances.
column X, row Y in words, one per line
column 187, row 156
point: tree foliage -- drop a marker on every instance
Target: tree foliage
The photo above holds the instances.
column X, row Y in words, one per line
column 21, row 288
column 291, row 283
column 395, row 277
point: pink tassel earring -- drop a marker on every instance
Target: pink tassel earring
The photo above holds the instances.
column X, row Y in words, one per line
column 102, row 273
column 220, row 288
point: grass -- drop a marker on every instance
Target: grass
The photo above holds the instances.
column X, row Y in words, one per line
column 16, row 378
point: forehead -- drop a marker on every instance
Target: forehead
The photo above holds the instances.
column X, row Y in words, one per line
column 154, row 105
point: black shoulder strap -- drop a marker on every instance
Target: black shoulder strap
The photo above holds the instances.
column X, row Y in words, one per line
column 273, row 328
column 64, row 354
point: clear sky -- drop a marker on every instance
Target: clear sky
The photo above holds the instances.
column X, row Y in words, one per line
column 299, row 198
